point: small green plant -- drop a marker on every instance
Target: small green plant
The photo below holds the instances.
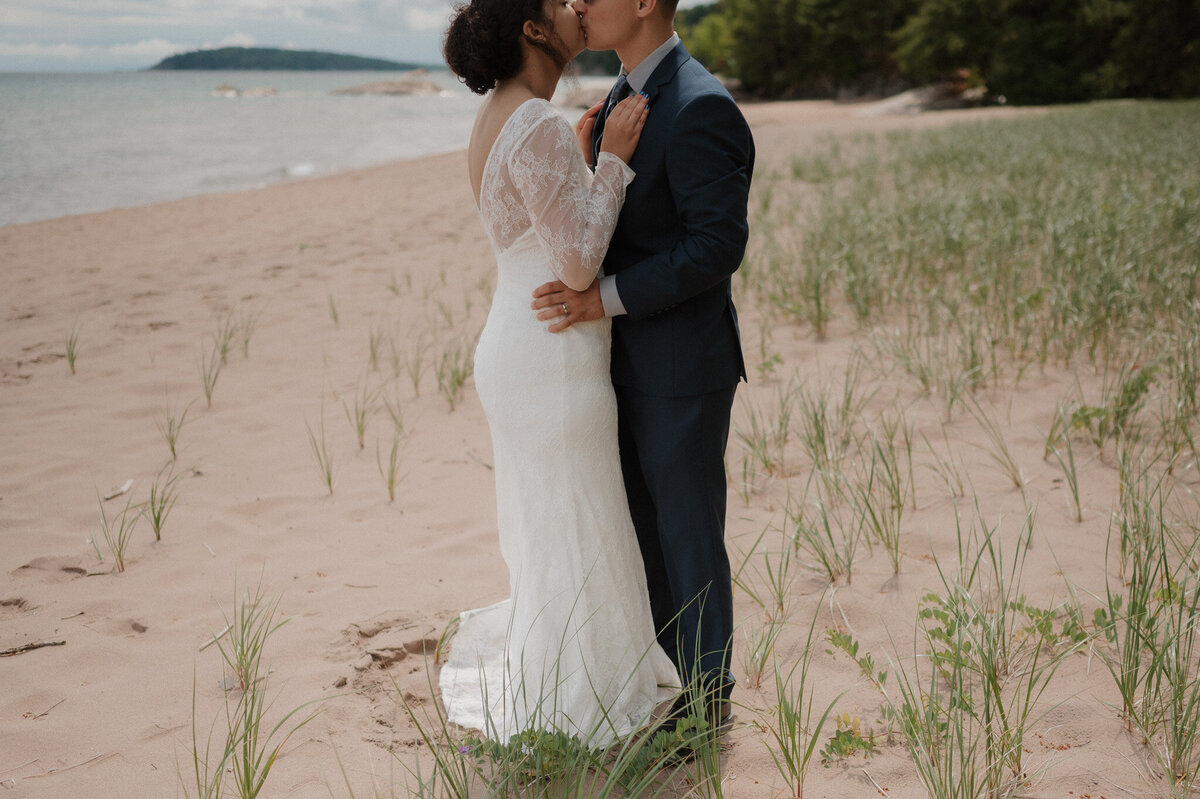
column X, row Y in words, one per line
column 771, row 587
column 210, row 370
column 1070, row 474
column 415, row 363
column 390, row 472
column 395, row 411
column 170, row 426
column 223, row 338
column 794, row 731
column 364, row 403
column 847, row 740
column 999, row 450
column 248, row 752
column 866, row 664
column 333, row 310
column 73, row 345
column 452, row 369
column 248, row 628
column 760, row 649
column 1152, row 626
column 830, row 546
column 768, row 362
column 967, row 729
column 946, row 470
column 208, row 767
column 1125, row 398
column 118, row 531
column 878, row 498
column 162, row 499
column 247, row 324
column 320, row 451
column 764, row 436
column 375, row 339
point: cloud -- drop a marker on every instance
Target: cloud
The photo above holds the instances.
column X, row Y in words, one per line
column 132, row 34
column 233, row 40
column 33, row 50
column 427, row 20
column 152, row 49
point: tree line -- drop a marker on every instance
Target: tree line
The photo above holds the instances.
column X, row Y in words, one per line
column 1029, row 51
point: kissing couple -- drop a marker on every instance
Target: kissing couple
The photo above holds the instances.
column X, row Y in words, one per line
column 607, row 370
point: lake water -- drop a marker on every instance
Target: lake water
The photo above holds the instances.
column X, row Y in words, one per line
column 75, row 143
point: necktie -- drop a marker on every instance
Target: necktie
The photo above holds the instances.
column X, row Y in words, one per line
column 620, row 91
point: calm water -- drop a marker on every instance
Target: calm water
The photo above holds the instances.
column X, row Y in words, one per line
column 74, row 143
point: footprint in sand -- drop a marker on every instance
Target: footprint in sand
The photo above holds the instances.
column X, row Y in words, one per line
column 13, row 607
column 127, row 627
column 52, row 570
column 378, row 643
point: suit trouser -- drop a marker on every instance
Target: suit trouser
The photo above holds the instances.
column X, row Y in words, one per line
column 673, row 460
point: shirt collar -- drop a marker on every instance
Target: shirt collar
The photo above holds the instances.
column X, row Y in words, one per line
column 642, row 72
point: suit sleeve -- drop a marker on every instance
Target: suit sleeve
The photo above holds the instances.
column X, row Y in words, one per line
column 708, row 163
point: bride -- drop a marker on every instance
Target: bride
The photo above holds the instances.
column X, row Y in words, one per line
column 573, row 648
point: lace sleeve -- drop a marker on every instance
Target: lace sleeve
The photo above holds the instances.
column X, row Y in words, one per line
column 573, row 211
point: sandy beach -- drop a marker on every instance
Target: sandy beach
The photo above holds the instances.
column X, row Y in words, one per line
column 367, row 284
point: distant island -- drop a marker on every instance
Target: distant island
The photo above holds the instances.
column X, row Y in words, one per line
column 272, row 58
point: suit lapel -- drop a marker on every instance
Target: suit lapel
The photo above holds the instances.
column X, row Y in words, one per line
column 664, row 73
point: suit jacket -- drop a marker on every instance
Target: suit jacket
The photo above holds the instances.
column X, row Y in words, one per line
column 681, row 235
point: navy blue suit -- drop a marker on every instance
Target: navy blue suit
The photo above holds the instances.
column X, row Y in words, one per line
column 676, row 355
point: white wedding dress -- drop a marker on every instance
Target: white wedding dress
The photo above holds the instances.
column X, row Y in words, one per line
column 573, row 648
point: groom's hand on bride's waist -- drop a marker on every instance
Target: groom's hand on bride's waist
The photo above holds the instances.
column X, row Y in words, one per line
column 563, row 306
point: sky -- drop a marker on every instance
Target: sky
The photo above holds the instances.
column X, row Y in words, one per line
column 103, row 35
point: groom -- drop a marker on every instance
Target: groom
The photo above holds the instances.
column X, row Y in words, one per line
column 676, row 352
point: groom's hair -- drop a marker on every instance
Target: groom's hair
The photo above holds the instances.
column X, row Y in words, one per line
column 483, row 43
column 668, row 7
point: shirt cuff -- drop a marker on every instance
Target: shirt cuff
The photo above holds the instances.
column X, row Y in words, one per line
column 609, row 297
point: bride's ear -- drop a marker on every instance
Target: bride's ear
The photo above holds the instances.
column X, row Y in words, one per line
column 533, row 33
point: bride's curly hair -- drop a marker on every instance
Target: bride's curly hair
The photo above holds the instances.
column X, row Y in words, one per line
column 483, row 43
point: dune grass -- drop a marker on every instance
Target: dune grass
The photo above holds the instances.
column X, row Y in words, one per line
column 117, row 531
column 170, row 425
column 248, row 747
column 163, row 495
column 72, row 345
column 320, row 449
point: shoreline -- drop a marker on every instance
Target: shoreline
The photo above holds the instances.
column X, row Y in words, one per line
column 833, row 116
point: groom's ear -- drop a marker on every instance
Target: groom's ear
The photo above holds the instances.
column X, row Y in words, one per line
column 646, row 7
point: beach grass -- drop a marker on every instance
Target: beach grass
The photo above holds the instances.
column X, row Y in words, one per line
column 117, row 531
column 249, row 747
column 72, row 345
column 986, row 242
column 391, row 471
column 170, row 425
column 453, row 367
column 365, row 399
column 211, row 361
column 794, row 732
column 320, row 450
column 162, row 499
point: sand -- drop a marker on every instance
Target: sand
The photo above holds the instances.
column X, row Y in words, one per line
column 365, row 583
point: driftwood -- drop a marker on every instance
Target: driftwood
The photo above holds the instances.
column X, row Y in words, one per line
column 17, row 650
